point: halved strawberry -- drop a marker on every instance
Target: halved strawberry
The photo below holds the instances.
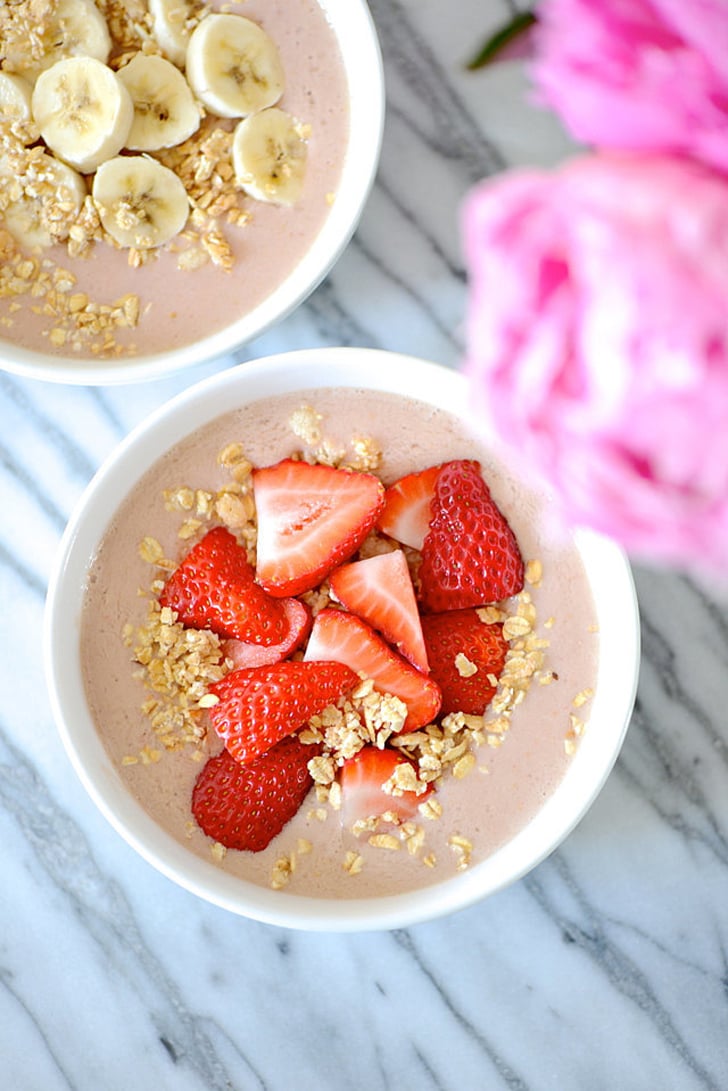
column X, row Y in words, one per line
column 260, row 705
column 214, row 588
column 244, row 654
column 461, row 632
column 379, row 590
column 407, row 513
column 246, row 806
column 470, row 556
column 310, row 519
column 344, row 638
column 362, row 794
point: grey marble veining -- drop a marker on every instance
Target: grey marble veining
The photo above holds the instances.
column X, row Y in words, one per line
column 606, row 969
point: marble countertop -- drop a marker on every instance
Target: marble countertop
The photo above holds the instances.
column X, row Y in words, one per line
column 605, row 969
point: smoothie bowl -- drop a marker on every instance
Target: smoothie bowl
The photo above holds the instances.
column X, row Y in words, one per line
column 175, row 175
column 323, row 659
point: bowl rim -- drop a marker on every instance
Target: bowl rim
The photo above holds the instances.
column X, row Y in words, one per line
column 354, row 28
column 286, row 373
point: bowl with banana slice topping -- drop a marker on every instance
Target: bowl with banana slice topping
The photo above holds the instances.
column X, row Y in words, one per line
column 176, row 176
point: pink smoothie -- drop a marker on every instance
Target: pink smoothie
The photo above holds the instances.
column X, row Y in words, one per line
column 180, row 306
column 510, row 781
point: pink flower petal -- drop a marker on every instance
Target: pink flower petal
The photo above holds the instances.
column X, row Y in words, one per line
column 597, row 343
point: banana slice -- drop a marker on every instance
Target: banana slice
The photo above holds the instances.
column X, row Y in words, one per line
column 46, row 200
column 83, row 110
column 165, row 110
column 140, row 202
column 75, row 28
column 233, row 66
column 15, row 111
column 170, row 27
column 269, row 156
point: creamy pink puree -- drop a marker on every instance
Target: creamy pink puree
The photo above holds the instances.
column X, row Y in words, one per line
column 181, row 306
column 488, row 808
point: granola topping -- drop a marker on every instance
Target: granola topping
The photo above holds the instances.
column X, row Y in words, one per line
column 177, row 666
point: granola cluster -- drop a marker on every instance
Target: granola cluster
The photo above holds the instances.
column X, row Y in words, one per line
column 363, row 452
column 177, row 666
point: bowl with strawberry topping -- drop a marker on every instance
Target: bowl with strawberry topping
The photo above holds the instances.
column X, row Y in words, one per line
column 332, row 662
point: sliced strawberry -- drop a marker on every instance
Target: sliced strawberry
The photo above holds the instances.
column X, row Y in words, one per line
column 214, row 588
column 462, row 633
column 362, row 792
column 260, row 705
column 379, row 590
column 344, row 638
column 244, row 654
column 407, row 513
column 246, row 806
column 470, row 556
column 310, row 519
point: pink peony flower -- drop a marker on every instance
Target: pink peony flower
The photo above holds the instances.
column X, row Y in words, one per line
column 597, row 343
column 638, row 74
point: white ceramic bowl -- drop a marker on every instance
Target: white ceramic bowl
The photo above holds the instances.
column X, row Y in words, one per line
column 608, row 574
column 355, row 32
